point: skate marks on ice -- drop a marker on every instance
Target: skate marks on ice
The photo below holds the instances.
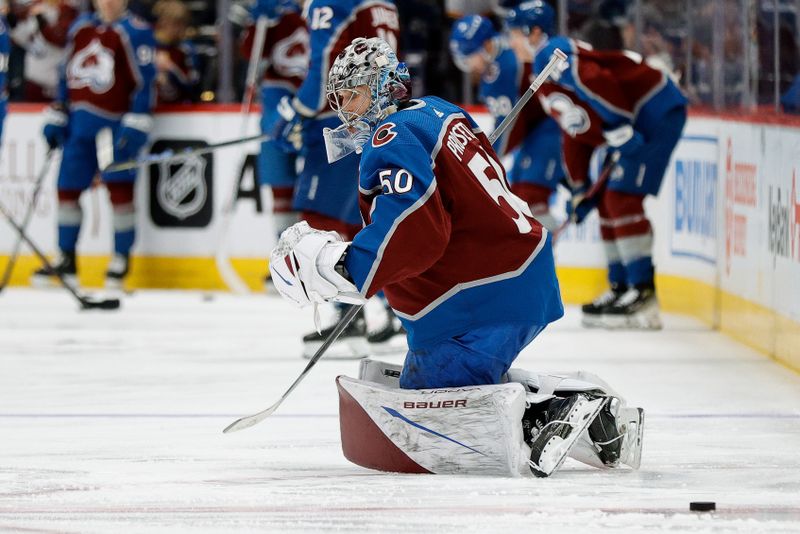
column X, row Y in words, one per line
column 119, row 431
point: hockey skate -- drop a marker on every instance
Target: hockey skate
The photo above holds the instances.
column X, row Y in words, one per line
column 593, row 311
column 350, row 345
column 389, row 336
column 65, row 266
column 555, row 432
column 637, row 308
column 116, row 272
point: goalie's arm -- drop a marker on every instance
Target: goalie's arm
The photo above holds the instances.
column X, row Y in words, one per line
column 408, row 227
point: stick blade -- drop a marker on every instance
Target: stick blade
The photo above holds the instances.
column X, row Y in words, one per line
column 89, row 303
column 250, row 420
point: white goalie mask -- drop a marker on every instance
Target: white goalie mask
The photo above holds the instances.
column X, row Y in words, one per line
column 365, row 84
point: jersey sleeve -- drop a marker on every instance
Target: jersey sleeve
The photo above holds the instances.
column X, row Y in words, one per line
column 324, row 20
column 143, row 68
column 408, row 227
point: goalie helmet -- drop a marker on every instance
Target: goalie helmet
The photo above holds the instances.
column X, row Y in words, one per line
column 366, row 68
column 372, row 63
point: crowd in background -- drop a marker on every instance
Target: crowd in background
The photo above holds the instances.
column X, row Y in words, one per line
column 680, row 35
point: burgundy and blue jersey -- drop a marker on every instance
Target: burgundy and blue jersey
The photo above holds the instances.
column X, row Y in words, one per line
column 333, row 24
column 504, row 82
column 617, row 84
column 444, row 238
column 109, row 68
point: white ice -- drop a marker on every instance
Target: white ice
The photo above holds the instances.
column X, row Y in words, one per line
column 112, row 422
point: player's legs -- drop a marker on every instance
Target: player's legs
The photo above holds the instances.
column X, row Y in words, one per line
column 78, row 167
column 120, row 187
column 480, row 356
column 537, row 170
column 276, row 169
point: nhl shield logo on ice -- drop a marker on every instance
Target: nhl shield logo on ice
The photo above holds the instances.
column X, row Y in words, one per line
column 92, row 67
column 182, row 192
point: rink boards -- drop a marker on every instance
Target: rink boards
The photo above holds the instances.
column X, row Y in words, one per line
column 727, row 220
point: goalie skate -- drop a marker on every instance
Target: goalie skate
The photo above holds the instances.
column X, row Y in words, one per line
column 566, row 422
column 350, row 345
column 632, row 429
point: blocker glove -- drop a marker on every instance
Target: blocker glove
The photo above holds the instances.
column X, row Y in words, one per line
column 132, row 135
column 56, row 125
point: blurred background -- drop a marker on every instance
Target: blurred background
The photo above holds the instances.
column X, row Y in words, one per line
column 726, row 54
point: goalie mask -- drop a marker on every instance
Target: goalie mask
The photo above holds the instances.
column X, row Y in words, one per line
column 365, row 84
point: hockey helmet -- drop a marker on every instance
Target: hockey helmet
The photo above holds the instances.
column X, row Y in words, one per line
column 468, row 37
column 366, row 67
column 532, row 14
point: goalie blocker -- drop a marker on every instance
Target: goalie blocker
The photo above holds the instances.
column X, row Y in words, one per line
column 486, row 430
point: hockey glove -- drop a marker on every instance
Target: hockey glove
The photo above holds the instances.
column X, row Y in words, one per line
column 56, row 125
column 306, row 265
column 625, row 140
column 132, row 135
column 288, row 130
column 580, row 206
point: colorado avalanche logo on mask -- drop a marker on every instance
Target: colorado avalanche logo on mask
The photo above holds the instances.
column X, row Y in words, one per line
column 92, row 67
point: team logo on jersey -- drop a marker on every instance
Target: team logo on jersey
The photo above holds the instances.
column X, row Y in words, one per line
column 572, row 118
column 290, row 55
column 182, row 191
column 492, row 73
column 384, row 134
column 91, row 67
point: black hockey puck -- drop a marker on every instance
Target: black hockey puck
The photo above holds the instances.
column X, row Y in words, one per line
column 702, row 506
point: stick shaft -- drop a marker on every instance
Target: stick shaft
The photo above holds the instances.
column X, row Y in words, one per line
column 555, row 62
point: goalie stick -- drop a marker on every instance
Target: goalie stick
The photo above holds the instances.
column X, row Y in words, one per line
column 27, row 219
column 86, row 302
column 246, row 422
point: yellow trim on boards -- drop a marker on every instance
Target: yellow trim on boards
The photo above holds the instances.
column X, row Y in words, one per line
column 752, row 324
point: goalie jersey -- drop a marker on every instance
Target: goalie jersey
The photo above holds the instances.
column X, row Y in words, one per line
column 445, row 239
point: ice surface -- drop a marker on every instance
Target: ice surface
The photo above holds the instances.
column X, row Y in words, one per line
column 112, row 422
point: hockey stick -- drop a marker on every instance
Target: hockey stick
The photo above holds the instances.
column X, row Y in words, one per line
column 556, row 59
column 247, row 422
column 170, row 156
column 597, row 189
column 221, row 258
column 27, row 219
column 87, row 303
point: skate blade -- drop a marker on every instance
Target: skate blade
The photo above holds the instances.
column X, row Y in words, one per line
column 564, row 446
column 395, row 345
column 354, row 348
column 592, row 321
column 631, row 454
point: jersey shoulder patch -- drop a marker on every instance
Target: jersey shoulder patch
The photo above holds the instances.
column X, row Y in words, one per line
column 384, row 134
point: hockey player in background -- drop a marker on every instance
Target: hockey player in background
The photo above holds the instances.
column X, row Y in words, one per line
column 5, row 52
column 327, row 191
column 177, row 78
column 106, row 84
column 534, row 138
column 463, row 263
column 40, row 28
column 643, row 113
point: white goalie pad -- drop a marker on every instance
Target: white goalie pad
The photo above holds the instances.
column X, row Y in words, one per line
column 472, row 430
